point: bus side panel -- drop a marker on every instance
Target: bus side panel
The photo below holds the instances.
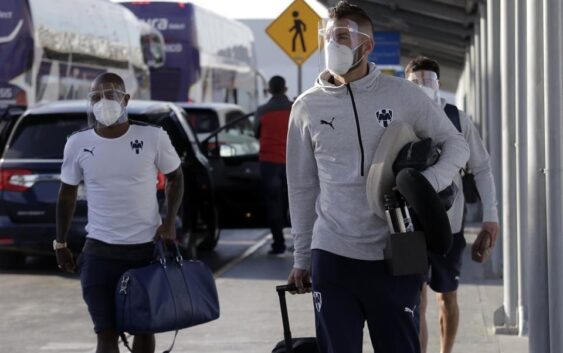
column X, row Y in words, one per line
column 16, row 47
column 181, row 69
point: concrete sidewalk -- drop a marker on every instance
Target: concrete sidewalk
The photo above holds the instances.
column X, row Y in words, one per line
column 250, row 321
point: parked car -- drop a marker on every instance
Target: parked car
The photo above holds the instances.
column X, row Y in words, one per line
column 8, row 115
column 30, row 179
column 206, row 118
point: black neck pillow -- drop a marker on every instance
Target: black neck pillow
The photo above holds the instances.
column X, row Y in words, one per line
column 430, row 213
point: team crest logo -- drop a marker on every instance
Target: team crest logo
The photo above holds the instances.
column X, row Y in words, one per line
column 137, row 146
column 384, row 117
column 318, row 300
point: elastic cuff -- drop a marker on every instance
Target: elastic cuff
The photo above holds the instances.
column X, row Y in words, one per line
column 490, row 216
column 302, row 261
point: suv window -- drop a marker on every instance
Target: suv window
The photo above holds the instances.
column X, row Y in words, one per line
column 202, row 120
column 42, row 136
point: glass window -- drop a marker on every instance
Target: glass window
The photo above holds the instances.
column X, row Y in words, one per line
column 238, row 140
column 43, row 136
column 202, row 120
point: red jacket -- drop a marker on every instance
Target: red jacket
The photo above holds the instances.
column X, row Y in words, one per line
column 272, row 120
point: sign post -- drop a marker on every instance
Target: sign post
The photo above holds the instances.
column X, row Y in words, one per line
column 295, row 32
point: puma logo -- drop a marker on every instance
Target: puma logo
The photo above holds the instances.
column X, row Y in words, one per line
column 409, row 310
column 324, row 122
column 91, row 151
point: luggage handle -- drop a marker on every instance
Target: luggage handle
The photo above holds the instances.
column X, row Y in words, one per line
column 285, row 317
column 291, row 287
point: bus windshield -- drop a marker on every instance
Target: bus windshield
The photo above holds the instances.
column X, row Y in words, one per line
column 47, row 56
column 209, row 58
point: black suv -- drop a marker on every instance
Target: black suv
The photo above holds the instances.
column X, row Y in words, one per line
column 30, row 179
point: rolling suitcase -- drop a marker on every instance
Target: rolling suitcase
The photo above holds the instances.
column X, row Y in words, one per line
column 289, row 344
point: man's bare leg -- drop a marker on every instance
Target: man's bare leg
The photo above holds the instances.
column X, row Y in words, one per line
column 143, row 344
column 423, row 334
column 449, row 319
column 107, row 342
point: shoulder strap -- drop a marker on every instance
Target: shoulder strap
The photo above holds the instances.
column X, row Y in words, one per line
column 453, row 114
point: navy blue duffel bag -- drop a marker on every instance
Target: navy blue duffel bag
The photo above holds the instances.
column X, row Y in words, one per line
column 168, row 295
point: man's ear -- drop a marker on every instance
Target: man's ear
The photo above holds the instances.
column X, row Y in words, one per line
column 126, row 99
column 368, row 46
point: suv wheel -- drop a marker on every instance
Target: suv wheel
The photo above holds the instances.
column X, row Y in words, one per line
column 11, row 260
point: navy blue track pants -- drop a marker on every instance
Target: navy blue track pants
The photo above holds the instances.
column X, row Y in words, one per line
column 349, row 292
column 274, row 188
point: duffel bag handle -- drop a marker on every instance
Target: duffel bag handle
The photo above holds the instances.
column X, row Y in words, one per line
column 160, row 252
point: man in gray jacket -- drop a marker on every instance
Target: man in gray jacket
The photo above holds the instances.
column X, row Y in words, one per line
column 334, row 130
column 445, row 270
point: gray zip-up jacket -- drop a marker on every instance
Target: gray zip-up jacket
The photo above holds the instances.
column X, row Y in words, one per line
column 480, row 165
column 332, row 137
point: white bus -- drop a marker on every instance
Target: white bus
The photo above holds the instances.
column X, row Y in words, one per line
column 52, row 49
column 209, row 58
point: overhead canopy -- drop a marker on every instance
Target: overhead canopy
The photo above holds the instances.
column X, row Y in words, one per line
column 436, row 28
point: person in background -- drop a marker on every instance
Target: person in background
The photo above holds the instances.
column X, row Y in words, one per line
column 334, row 130
column 271, row 129
column 445, row 270
column 118, row 161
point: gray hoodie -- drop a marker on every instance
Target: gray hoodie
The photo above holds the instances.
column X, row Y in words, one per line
column 332, row 137
column 480, row 165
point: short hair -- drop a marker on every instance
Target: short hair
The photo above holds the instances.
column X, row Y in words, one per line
column 277, row 85
column 350, row 11
column 109, row 77
column 423, row 63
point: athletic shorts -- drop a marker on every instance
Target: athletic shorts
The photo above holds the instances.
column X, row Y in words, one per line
column 101, row 265
column 444, row 270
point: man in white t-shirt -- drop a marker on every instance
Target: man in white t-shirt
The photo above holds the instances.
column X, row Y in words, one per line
column 118, row 161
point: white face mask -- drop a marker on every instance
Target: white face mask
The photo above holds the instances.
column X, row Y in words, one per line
column 107, row 111
column 339, row 58
column 434, row 94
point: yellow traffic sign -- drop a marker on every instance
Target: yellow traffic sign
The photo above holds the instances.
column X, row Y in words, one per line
column 295, row 31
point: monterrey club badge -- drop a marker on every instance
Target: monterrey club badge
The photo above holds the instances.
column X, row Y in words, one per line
column 384, row 117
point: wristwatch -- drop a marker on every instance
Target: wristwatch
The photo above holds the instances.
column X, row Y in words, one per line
column 57, row 245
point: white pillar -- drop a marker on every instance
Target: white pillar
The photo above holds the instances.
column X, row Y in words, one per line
column 553, row 120
column 493, row 137
column 510, row 272
column 472, row 83
column 483, row 72
column 521, row 163
column 477, row 77
column 536, row 255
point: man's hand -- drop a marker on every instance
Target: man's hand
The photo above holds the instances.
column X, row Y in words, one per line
column 300, row 277
column 166, row 232
column 493, row 229
column 65, row 260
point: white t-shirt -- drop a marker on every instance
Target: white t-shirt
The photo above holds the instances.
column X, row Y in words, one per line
column 120, row 177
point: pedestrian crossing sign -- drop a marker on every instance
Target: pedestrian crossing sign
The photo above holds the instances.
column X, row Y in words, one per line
column 295, row 31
